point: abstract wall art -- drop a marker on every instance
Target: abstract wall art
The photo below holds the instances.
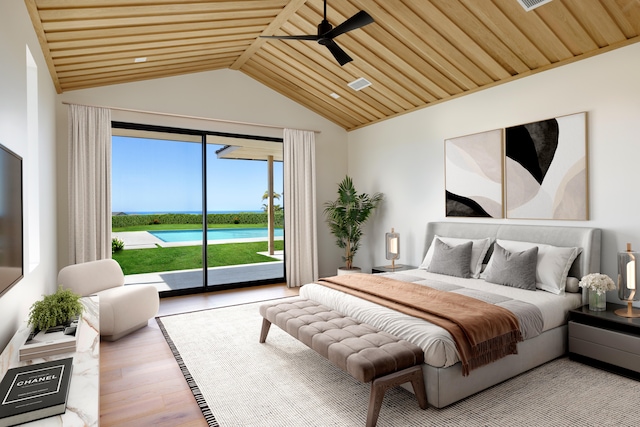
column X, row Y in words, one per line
column 546, row 169
column 473, row 175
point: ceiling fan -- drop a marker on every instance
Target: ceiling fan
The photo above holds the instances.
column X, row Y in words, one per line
column 326, row 33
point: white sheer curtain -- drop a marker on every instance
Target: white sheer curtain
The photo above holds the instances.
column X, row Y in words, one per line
column 89, row 183
column 300, row 244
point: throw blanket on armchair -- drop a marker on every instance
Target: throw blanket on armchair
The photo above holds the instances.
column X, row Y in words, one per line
column 482, row 332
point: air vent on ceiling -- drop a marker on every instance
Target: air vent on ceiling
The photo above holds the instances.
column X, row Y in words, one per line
column 532, row 4
column 359, row 84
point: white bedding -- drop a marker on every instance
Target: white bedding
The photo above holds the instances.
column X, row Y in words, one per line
column 438, row 345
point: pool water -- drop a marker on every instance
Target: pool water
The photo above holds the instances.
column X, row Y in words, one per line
column 173, row 236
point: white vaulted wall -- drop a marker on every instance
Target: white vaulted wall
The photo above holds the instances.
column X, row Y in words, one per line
column 27, row 127
column 404, row 157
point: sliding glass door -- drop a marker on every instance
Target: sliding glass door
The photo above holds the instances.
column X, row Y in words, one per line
column 194, row 211
column 157, row 210
column 250, row 244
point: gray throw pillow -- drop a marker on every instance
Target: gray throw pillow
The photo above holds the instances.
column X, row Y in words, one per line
column 515, row 269
column 451, row 260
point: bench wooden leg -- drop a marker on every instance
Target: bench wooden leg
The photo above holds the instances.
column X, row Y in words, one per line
column 380, row 385
column 265, row 330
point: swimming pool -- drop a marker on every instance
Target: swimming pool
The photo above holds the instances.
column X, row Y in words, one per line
column 174, row 236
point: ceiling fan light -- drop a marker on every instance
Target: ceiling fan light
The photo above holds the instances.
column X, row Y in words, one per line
column 359, row 84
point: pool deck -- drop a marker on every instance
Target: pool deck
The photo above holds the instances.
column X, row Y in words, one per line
column 189, row 279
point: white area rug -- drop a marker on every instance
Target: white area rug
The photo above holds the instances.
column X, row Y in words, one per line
column 240, row 382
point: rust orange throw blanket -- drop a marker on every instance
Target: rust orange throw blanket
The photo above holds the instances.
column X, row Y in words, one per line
column 483, row 332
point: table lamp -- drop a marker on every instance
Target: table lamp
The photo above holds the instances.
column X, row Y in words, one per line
column 627, row 281
column 392, row 248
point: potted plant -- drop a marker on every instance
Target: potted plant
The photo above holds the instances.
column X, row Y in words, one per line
column 346, row 216
column 56, row 309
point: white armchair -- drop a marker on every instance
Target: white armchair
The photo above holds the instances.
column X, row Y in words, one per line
column 123, row 309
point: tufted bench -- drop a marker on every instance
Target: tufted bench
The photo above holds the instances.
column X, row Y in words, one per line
column 366, row 353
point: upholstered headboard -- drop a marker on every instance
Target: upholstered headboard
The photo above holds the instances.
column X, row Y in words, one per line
column 584, row 237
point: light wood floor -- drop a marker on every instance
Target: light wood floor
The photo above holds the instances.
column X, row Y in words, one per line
column 140, row 381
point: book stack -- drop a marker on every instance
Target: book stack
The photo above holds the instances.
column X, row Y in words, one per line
column 49, row 342
column 35, row 391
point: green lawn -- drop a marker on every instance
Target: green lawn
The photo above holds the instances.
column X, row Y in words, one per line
column 135, row 261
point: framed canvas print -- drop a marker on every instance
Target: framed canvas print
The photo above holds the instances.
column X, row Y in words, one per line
column 546, row 169
column 473, row 175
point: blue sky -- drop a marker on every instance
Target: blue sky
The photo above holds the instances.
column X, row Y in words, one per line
column 150, row 175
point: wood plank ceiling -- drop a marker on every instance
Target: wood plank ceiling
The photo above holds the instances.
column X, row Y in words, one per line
column 416, row 53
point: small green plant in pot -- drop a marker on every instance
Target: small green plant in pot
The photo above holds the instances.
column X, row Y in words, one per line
column 55, row 309
column 347, row 215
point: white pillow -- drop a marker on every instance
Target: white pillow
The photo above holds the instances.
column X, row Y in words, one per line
column 553, row 264
column 479, row 249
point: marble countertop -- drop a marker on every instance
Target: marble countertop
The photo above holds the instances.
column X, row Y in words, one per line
column 83, row 403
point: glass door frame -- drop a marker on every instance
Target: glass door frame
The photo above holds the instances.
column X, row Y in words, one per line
column 205, row 287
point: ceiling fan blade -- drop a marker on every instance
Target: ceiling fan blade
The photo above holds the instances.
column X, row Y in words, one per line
column 358, row 20
column 337, row 52
column 303, row 37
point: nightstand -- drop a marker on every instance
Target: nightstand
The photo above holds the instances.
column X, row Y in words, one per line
column 603, row 339
column 386, row 269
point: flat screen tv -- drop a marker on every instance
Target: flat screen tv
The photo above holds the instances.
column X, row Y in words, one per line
column 11, row 237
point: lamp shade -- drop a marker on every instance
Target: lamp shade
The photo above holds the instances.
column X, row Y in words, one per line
column 627, row 274
column 628, row 281
column 392, row 245
column 392, row 248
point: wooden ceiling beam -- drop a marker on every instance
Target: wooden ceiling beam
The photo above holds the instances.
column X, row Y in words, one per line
column 143, row 66
column 152, row 69
column 218, row 34
column 175, row 8
column 256, row 24
column 89, row 24
column 134, row 48
column 88, row 83
column 149, row 53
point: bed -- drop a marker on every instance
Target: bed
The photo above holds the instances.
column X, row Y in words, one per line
column 546, row 337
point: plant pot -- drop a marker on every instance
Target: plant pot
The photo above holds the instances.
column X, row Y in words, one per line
column 353, row 270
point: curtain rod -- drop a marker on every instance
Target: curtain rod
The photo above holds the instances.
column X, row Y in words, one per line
column 233, row 122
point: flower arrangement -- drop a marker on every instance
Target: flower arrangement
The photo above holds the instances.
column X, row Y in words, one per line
column 600, row 283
